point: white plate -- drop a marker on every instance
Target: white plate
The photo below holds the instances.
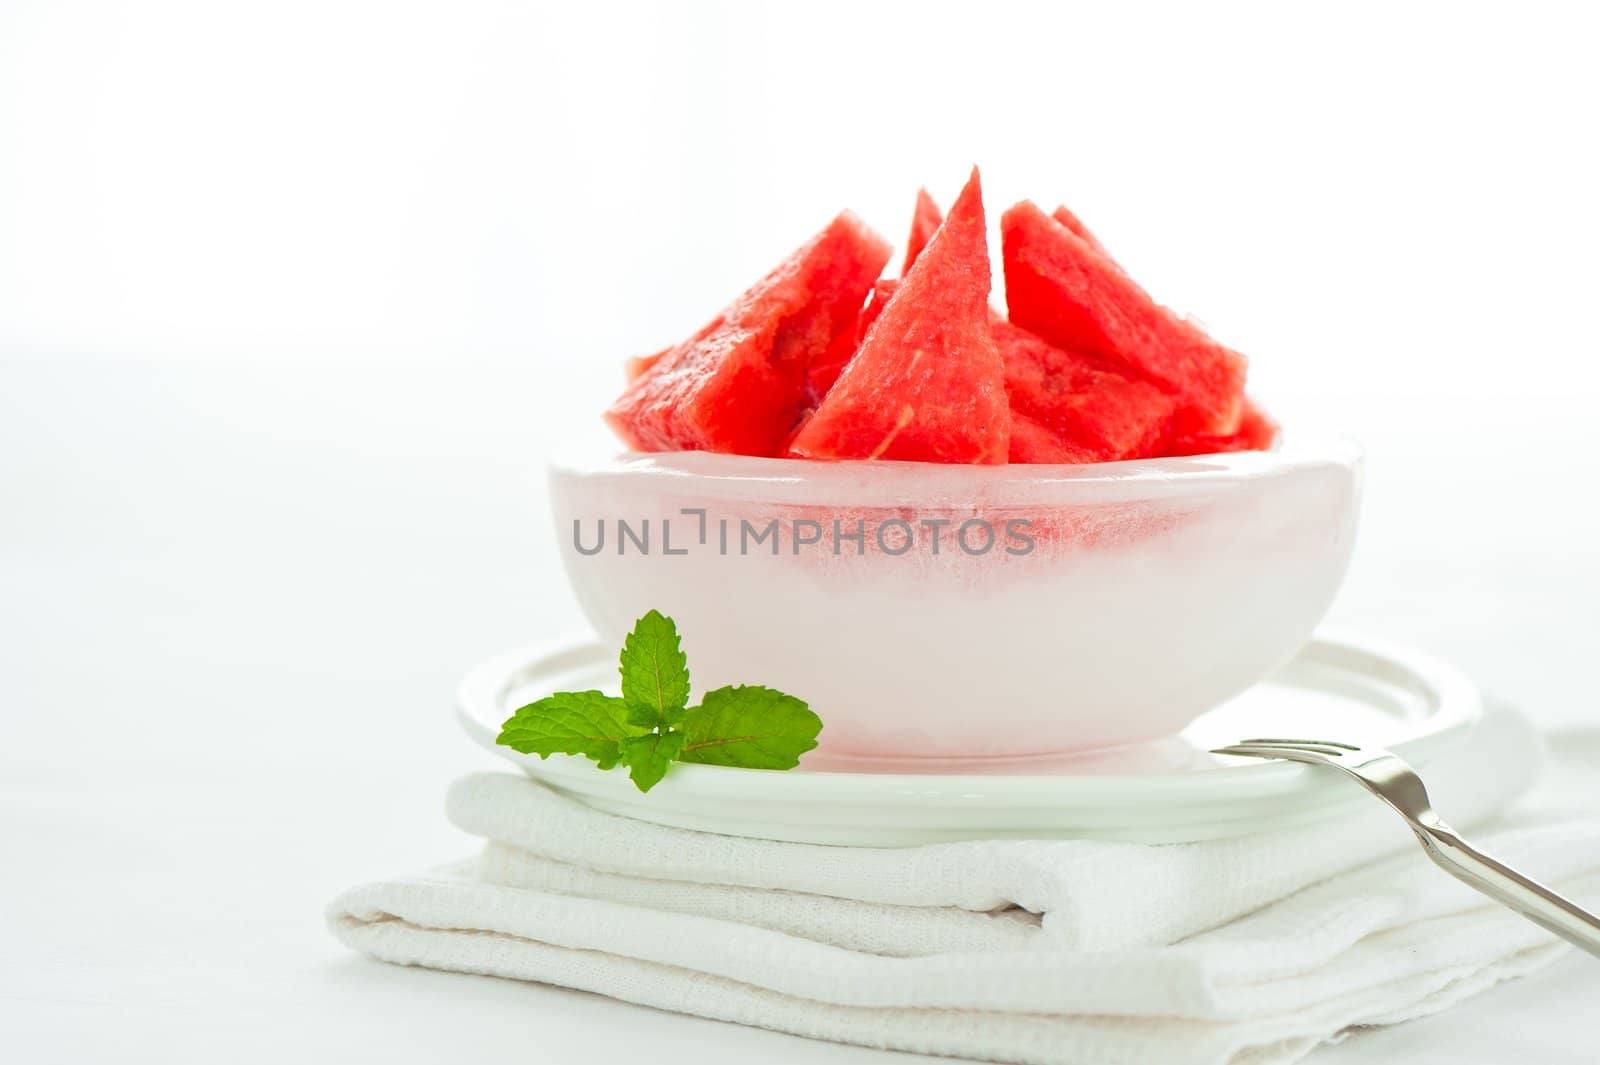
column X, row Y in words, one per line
column 1338, row 687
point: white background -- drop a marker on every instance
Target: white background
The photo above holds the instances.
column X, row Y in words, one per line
column 295, row 297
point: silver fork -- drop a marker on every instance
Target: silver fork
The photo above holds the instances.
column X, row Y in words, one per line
column 1397, row 784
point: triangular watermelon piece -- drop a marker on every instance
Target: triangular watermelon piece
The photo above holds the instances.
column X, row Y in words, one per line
column 636, row 366
column 826, row 368
column 882, row 293
column 1256, row 431
column 1068, row 408
column 1059, row 287
column 927, row 384
column 925, row 221
column 1070, row 220
column 740, row 385
column 1032, row 442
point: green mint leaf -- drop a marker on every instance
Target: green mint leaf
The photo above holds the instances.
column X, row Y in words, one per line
column 655, row 674
column 644, row 716
column 650, row 718
column 648, row 756
column 650, row 727
column 751, row 727
column 587, row 723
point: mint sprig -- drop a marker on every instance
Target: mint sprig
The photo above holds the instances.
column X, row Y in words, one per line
column 651, row 725
column 655, row 672
column 753, row 727
column 590, row 723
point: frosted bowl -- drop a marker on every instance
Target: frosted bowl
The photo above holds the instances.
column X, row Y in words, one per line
column 948, row 616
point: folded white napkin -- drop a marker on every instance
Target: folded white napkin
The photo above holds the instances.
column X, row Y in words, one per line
column 1245, row 950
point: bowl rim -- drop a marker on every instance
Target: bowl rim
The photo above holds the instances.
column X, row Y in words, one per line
column 891, row 482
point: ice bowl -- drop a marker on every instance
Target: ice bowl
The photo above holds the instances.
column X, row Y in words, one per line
column 952, row 616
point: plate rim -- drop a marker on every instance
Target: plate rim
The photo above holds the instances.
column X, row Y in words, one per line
column 1457, row 701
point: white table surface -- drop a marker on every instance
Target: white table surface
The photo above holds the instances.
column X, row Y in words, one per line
column 236, row 599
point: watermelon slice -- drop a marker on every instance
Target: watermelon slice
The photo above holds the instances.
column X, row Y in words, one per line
column 1070, row 220
column 925, row 221
column 826, row 368
column 1067, row 408
column 636, row 366
column 1032, row 442
column 1256, row 431
column 882, row 293
column 1059, row 287
column 927, row 384
column 740, row 385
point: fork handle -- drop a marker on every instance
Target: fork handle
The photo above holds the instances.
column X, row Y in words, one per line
column 1530, row 898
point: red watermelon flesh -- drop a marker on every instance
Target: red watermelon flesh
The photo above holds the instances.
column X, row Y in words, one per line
column 925, row 222
column 1070, row 220
column 1256, row 431
column 825, row 369
column 1062, row 289
column 927, row 384
column 636, row 366
column 1068, row 408
column 1032, row 442
column 882, row 293
column 740, row 385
